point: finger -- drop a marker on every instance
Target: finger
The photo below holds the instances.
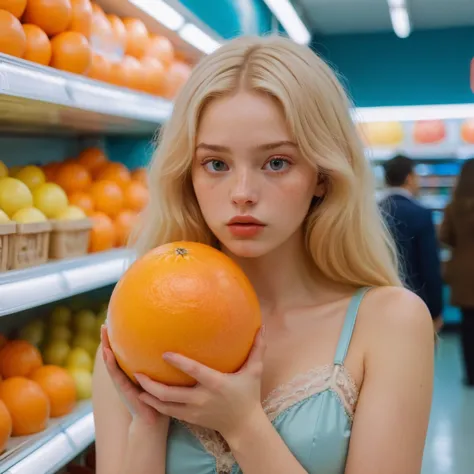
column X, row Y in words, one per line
column 258, row 350
column 174, row 410
column 203, row 374
column 166, row 393
column 118, row 376
column 104, row 336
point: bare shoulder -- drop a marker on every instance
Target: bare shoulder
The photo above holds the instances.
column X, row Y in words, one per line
column 395, row 317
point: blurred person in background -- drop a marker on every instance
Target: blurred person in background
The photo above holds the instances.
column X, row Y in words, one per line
column 457, row 231
column 412, row 227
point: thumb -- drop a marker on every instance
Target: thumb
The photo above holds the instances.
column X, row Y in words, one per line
column 258, row 350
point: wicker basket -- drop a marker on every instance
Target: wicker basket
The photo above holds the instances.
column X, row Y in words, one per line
column 6, row 235
column 69, row 238
column 30, row 245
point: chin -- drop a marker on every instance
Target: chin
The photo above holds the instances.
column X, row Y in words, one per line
column 247, row 248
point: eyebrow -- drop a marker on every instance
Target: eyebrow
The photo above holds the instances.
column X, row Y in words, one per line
column 264, row 147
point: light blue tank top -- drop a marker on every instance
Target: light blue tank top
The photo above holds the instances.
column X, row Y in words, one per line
column 312, row 413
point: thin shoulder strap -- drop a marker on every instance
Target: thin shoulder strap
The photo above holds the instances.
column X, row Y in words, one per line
column 348, row 328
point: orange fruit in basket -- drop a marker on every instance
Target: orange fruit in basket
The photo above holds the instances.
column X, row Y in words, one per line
column 102, row 236
column 82, row 200
column 71, row 52
column 116, row 172
column 6, row 426
column 124, row 223
column 73, row 177
column 27, row 403
column 12, row 36
column 153, row 73
column 100, row 68
column 59, row 387
column 15, row 7
column 192, row 299
column 136, row 196
column 92, row 158
column 118, row 29
column 52, row 16
column 467, row 131
column 137, row 36
column 81, row 20
column 38, row 46
column 140, row 175
column 161, row 48
column 119, row 75
column 19, row 358
column 177, row 74
column 134, row 72
column 107, row 197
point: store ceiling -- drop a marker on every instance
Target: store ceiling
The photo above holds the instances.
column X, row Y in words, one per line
column 330, row 17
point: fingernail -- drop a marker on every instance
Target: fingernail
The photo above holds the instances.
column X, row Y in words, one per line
column 168, row 356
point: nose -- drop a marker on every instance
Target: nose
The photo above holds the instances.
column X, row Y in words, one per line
column 244, row 189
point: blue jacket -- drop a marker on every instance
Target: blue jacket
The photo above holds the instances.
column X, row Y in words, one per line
column 414, row 232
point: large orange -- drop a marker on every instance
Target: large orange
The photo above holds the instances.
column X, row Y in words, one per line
column 81, row 20
column 100, row 68
column 107, row 197
column 52, row 16
column 59, row 386
column 134, row 72
column 182, row 297
column 27, row 403
column 38, row 46
column 19, row 358
column 15, row 7
column 6, row 426
column 71, row 52
column 429, row 131
column 177, row 74
column 153, row 76
column 12, row 36
column 83, row 200
column 116, row 172
column 124, row 223
column 103, row 234
column 136, row 196
column 92, row 158
column 119, row 31
column 73, row 177
column 467, row 131
column 137, row 36
column 50, row 170
column 161, row 48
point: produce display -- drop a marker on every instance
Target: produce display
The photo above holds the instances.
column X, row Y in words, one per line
column 191, row 299
column 87, row 200
column 77, row 36
column 46, row 368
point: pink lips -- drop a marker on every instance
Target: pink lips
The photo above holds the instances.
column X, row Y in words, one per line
column 245, row 226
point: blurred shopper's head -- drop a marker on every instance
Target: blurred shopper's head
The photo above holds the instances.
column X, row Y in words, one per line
column 400, row 173
column 263, row 128
column 465, row 184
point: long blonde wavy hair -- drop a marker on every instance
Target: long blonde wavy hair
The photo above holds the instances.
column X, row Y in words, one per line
column 345, row 234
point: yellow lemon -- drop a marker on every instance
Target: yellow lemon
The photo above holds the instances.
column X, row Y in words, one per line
column 14, row 195
column 50, row 199
column 32, row 176
column 29, row 215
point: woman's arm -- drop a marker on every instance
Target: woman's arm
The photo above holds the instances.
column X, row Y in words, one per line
column 393, row 411
column 124, row 445
column 257, row 448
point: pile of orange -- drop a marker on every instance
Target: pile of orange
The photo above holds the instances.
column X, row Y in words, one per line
column 108, row 192
column 30, row 393
column 79, row 37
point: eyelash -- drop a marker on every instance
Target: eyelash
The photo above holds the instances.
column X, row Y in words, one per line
column 273, row 158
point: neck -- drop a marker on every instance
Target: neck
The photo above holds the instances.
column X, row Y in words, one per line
column 285, row 277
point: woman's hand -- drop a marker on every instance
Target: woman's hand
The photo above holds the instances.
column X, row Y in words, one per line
column 128, row 391
column 222, row 402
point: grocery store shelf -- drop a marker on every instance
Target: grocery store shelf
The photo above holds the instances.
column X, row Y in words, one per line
column 48, row 451
column 31, row 287
column 40, row 99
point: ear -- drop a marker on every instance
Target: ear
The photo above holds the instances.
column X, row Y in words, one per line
column 321, row 186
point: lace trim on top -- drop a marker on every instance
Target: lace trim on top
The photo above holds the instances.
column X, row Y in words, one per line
column 320, row 379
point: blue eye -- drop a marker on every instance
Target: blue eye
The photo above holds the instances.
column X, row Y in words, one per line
column 216, row 166
column 277, row 164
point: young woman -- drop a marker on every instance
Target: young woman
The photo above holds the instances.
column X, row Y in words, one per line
column 457, row 231
column 262, row 160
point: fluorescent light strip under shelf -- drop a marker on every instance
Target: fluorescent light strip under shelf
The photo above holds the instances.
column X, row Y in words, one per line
column 287, row 16
column 197, row 38
column 413, row 113
column 161, row 12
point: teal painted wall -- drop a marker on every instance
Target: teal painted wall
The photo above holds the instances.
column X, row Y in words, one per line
column 429, row 67
column 231, row 18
